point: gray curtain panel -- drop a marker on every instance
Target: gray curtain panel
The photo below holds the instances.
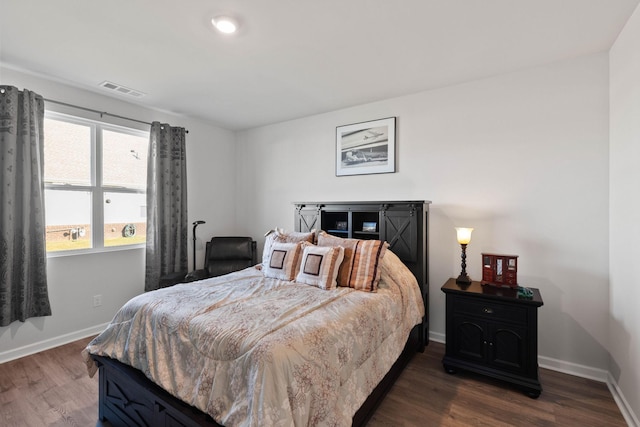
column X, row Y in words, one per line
column 23, row 254
column 167, row 226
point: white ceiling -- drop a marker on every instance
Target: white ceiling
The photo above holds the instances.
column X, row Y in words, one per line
column 294, row 58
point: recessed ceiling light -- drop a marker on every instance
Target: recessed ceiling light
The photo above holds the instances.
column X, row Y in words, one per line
column 225, row 24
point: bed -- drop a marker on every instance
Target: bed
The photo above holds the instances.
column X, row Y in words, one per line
column 245, row 349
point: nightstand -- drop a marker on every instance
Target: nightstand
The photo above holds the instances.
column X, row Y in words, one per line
column 493, row 331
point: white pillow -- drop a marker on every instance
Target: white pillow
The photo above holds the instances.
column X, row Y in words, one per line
column 283, row 261
column 280, row 235
column 320, row 265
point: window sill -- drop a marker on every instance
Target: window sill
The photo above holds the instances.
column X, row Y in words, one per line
column 75, row 252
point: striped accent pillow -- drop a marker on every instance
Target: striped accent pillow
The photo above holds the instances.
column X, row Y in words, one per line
column 320, row 266
column 283, row 262
column 360, row 268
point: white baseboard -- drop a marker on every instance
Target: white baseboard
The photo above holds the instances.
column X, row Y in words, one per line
column 578, row 370
column 437, row 337
column 6, row 356
column 628, row 414
column 573, row 369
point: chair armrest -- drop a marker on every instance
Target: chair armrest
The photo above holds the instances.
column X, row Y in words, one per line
column 171, row 279
column 197, row 275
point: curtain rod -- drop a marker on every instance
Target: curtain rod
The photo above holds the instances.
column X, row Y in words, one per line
column 102, row 113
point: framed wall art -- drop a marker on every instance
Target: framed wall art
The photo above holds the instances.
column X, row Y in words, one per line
column 369, row 227
column 366, row 148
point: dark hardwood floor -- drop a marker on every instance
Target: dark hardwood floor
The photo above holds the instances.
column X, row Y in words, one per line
column 52, row 388
column 425, row 395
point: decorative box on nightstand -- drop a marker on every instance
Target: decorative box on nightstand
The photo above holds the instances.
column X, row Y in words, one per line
column 494, row 332
column 500, row 270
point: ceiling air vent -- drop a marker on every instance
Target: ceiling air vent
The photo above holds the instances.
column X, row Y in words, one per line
column 123, row 90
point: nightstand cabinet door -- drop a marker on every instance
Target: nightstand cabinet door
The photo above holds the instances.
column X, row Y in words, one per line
column 493, row 344
column 468, row 339
column 492, row 332
column 508, row 349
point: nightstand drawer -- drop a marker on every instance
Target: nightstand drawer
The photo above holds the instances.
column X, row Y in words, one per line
column 491, row 310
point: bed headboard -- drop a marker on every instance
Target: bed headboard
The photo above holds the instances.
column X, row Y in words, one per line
column 403, row 224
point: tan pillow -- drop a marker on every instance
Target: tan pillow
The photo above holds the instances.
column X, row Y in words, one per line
column 319, row 266
column 280, row 235
column 284, row 261
column 360, row 268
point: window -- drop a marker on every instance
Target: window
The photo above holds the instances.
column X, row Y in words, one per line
column 95, row 184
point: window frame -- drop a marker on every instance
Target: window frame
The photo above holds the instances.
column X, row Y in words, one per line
column 96, row 189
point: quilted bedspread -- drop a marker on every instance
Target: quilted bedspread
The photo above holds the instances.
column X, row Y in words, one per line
column 253, row 351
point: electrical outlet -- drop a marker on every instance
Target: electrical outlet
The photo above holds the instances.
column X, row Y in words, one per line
column 97, row 300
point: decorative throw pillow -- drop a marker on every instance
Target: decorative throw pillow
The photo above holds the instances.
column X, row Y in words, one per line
column 360, row 268
column 280, row 235
column 283, row 262
column 320, row 265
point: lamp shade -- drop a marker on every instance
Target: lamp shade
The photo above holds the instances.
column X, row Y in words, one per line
column 464, row 235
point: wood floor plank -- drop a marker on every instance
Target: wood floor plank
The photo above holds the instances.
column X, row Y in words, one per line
column 52, row 388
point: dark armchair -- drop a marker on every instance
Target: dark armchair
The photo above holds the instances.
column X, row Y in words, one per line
column 224, row 255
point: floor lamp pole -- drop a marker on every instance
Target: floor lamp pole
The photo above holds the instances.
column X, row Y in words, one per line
column 195, row 225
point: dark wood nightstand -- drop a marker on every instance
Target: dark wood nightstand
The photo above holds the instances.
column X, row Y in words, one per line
column 493, row 331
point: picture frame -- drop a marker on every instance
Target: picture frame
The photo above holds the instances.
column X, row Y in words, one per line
column 366, row 148
column 341, row 225
column 369, row 226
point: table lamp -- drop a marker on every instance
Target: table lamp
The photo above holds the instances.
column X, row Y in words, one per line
column 464, row 237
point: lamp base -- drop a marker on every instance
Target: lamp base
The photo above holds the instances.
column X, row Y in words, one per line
column 463, row 280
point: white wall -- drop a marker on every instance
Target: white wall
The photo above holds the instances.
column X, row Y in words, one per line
column 624, row 332
column 118, row 276
column 521, row 157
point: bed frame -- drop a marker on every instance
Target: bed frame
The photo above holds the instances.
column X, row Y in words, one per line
column 128, row 398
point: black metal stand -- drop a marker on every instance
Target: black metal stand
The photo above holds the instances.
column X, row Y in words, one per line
column 195, row 225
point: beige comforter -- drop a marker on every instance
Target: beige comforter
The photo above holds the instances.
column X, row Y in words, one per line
column 252, row 351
